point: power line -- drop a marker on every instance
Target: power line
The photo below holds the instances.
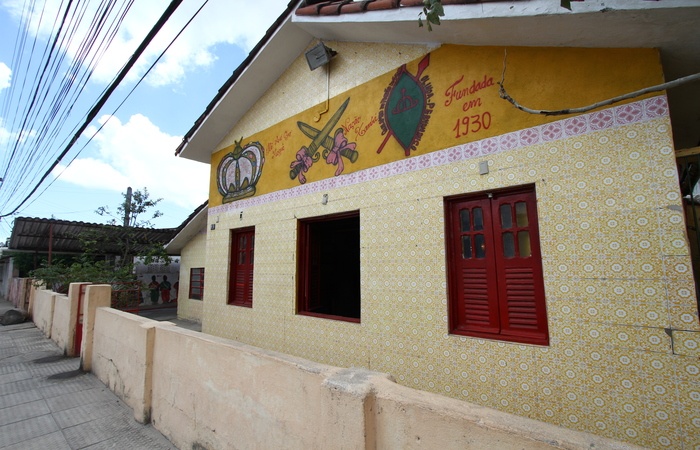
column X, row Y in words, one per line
column 35, row 146
column 143, row 77
column 103, row 99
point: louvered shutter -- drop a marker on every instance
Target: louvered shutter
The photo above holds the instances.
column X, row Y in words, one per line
column 519, row 267
column 495, row 280
column 242, row 263
column 474, row 275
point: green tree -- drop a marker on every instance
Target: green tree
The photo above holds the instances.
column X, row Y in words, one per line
column 132, row 210
column 126, row 241
column 136, row 212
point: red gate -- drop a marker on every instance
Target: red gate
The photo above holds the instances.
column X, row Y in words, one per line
column 126, row 296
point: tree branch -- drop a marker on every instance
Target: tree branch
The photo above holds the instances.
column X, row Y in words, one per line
column 560, row 112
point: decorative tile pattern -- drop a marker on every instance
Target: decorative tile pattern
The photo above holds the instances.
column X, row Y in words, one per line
column 193, row 255
column 615, row 259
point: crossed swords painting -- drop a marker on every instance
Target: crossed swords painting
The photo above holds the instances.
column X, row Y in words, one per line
column 404, row 113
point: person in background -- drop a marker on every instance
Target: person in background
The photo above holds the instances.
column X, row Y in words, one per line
column 165, row 289
column 154, row 288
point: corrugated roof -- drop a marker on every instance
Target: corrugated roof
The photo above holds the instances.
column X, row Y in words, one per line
column 34, row 234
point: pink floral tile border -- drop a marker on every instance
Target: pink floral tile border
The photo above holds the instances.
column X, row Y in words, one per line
column 640, row 111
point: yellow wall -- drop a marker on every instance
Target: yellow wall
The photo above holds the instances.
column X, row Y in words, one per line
column 193, row 255
column 623, row 322
column 460, row 85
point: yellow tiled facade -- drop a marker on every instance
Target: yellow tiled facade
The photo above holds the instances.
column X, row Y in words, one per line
column 621, row 305
column 193, row 255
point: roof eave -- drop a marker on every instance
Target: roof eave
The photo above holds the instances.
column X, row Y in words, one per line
column 592, row 23
column 265, row 64
column 187, row 232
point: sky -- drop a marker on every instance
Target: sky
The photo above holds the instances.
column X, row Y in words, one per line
column 136, row 145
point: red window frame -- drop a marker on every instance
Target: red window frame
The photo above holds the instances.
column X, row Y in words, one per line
column 328, row 283
column 242, row 261
column 196, row 283
column 495, row 279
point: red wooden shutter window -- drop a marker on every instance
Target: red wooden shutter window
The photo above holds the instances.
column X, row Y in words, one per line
column 197, row 283
column 496, row 285
column 242, row 262
column 519, row 267
column 476, row 304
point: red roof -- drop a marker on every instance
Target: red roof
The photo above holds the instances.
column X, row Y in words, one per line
column 329, row 8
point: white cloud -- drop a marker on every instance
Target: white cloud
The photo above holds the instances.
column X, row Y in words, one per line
column 5, row 76
column 138, row 154
column 221, row 21
column 6, row 136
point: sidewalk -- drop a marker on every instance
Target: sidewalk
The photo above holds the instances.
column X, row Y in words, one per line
column 47, row 403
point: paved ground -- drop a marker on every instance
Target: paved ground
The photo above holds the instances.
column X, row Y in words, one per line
column 170, row 314
column 47, row 403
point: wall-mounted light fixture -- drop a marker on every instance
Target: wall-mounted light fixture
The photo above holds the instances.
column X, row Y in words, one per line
column 319, row 55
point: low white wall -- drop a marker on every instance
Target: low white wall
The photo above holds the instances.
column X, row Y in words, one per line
column 18, row 291
column 122, row 357
column 209, row 392
column 42, row 310
column 63, row 323
column 407, row 418
column 203, row 391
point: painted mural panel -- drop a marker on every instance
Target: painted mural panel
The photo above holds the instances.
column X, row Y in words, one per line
column 445, row 98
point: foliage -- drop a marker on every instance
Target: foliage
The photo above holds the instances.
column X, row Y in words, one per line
column 131, row 211
column 92, row 267
column 433, row 11
column 59, row 276
column 24, row 262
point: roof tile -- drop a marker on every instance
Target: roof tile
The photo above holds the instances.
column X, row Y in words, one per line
column 345, row 6
column 332, row 8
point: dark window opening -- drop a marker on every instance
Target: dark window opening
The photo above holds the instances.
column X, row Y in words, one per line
column 329, row 267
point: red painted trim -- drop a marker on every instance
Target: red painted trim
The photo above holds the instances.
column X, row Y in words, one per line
column 247, row 268
column 199, row 282
column 501, row 326
column 303, row 261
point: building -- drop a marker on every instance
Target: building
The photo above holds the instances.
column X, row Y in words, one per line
column 390, row 210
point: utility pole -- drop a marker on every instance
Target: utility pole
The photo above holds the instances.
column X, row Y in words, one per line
column 127, row 207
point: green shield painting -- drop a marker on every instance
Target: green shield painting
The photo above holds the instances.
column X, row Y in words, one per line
column 406, row 107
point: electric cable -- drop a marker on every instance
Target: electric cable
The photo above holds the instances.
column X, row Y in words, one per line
column 47, row 127
column 142, row 78
column 103, row 99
